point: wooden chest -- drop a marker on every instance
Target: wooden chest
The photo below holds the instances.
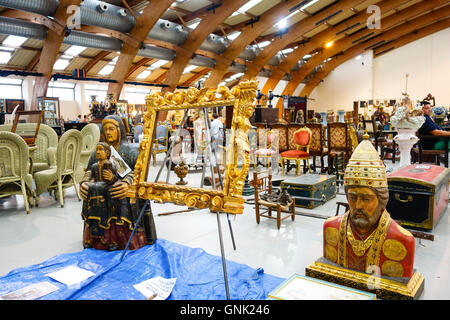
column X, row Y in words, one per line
column 418, row 195
column 310, row 186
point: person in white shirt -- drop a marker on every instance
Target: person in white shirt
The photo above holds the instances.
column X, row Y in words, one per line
column 216, row 131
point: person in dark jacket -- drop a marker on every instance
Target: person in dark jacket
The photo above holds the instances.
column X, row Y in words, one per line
column 431, row 128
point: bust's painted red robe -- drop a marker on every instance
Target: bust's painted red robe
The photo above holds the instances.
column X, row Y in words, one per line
column 391, row 252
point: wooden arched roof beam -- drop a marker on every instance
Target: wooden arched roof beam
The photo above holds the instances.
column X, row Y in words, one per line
column 395, row 44
column 200, row 12
column 247, row 36
column 96, row 59
column 399, row 19
column 196, row 37
column 52, row 24
column 195, row 76
column 358, row 37
column 124, row 37
column 50, row 51
column 295, row 31
column 320, row 39
column 139, row 64
column 141, row 29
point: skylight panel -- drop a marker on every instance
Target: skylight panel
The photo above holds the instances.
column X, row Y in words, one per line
column 246, row 7
column 249, row 5
column 159, row 63
column 194, row 24
column 144, row 74
column 106, row 70
column 308, row 4
column 4, row 57
column 236, row 75
column 233, row 35
column 287, row 51
column 189, row 69
column 14, row 41
column 61, row 64
column 74, row 50
column 264, row 44
column 6, row 49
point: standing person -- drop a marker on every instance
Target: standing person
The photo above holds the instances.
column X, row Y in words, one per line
column 123, row 214
column 78, row 119
column 431, row 128
column 85, row 119
column 138, row 131
column 216, row 131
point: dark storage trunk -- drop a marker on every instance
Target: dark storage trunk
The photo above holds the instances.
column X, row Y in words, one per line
column 310, row 186
column 418, row 195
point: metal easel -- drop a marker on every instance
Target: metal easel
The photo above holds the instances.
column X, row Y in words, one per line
column 211, row 152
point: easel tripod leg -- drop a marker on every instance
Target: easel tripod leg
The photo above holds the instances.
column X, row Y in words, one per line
column 224, row 266
column 135, row 227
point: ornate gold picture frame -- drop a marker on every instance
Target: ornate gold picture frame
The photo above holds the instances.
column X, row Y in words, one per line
column 229, row 199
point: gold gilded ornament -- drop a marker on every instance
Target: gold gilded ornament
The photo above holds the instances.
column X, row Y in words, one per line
column 392, row 268
column 394, row 250
column 229, row 199
column 330, row 253
column 331, row 236
column 359, row 247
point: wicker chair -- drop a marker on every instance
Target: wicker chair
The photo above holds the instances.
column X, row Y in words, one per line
column 64, row 174
column 15, row 177
column 91, row 136
column 44, row 157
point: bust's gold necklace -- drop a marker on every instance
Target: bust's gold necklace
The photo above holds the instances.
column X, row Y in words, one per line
column 359, row 247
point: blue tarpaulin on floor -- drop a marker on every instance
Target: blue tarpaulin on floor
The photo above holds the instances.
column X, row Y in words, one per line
column 199, row 275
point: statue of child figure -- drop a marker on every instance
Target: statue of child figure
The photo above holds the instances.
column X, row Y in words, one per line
column 99, row 202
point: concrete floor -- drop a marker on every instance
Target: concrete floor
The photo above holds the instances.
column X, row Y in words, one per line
column 50, row 230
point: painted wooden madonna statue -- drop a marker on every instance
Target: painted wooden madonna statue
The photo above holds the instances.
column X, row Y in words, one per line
column 114, row 230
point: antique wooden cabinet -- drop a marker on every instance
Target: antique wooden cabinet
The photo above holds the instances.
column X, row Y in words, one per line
column 310, row 186
column 265, row 115
column 418, row 195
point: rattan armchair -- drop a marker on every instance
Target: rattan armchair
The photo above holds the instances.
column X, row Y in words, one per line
column 15, row 177
column 91, row 136
column 64, row 174
column 44, row 157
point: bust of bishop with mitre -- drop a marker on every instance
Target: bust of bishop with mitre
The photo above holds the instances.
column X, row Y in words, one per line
column 365, row 238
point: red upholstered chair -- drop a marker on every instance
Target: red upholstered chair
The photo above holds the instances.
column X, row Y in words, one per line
column 302, row 139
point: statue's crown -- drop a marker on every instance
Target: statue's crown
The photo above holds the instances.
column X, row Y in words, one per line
column 365, row 167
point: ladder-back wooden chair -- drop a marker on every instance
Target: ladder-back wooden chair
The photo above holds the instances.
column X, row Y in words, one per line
column 262, row 183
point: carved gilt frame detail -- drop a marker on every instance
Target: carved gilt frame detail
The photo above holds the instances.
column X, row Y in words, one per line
column 229, row 199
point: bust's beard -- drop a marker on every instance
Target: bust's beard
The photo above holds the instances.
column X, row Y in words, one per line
column 364, row 221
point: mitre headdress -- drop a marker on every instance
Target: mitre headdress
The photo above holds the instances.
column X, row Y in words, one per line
column 365, row 167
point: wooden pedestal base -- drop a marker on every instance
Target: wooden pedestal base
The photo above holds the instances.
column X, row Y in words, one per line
column 384, row 288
